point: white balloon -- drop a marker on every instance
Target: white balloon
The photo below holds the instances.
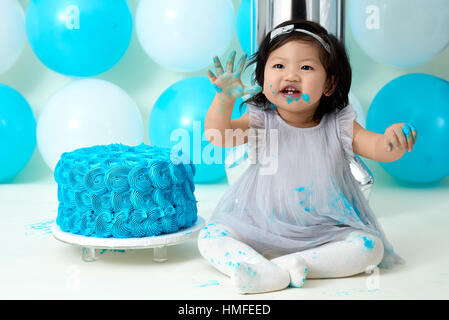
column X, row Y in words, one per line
column 85, row 113
column 12, row 33
column 184, row 35
column 400, row 33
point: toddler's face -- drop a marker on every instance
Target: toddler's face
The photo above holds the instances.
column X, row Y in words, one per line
column 294, row 77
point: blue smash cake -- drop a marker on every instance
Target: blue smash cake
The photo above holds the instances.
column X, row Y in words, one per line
column 124, row 192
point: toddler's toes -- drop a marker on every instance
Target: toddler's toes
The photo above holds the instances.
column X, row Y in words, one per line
column 298, row 278
column 296, row 267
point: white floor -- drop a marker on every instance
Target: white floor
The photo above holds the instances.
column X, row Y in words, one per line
column 34, row 265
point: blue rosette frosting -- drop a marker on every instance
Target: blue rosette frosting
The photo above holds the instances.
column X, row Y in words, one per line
column 124, row 191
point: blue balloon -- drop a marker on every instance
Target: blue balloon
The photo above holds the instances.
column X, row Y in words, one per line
column 243, row 25
column 422, row 100
column 177, row 122
column 17, row 132
column 79, row 38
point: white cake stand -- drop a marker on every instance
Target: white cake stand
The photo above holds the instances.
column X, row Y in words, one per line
column 158, row 243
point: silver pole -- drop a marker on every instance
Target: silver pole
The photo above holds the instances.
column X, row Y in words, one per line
column 267, row 14
column 340, row 27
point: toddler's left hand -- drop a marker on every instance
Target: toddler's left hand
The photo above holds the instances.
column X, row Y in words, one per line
column 400, row 136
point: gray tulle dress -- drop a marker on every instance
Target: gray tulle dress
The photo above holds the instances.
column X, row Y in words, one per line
column 298, row 193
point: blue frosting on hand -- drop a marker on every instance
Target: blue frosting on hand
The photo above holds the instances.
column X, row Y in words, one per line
column 122, row 192
column 406, row 130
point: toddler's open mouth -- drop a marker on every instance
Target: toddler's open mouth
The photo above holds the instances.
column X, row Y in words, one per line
column 290, row 92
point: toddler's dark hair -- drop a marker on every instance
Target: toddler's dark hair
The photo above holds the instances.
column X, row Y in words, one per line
column 336, row 64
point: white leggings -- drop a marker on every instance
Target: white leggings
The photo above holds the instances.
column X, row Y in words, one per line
column 251, row 272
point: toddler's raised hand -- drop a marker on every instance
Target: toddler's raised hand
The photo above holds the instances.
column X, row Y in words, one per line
column 400, row 135
column 229, row 82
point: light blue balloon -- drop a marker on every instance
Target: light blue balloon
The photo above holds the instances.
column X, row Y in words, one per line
column 422, row 100
column 400, row 33
column 17, row 132
column 243, row 25
column 79, row 38
column 177, row 122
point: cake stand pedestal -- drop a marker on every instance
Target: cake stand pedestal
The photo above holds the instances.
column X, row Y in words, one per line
column 90, row 245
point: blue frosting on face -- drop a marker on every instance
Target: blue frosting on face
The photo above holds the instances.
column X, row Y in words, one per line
column 123, row 192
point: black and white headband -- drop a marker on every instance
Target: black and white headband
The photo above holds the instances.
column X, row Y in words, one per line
column 289, row 28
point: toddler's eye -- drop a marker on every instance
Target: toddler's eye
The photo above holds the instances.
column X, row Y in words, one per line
column 278, row 66
column 306, row 68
